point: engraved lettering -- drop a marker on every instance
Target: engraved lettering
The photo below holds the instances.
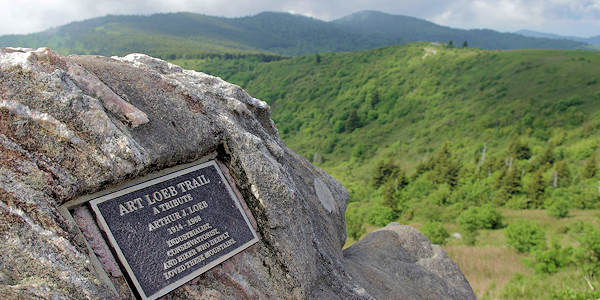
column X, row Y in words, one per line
column 183, row 224
column 163, row 221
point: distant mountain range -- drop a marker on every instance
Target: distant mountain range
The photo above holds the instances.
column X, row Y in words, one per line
column 595, row 40
column 189, row 35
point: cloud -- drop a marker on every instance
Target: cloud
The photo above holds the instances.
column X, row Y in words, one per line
column 578, row 17
column 558, row 16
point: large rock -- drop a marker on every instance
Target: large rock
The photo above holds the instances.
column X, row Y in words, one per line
column 71, row 126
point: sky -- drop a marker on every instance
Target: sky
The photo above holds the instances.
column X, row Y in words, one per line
column 565, row 17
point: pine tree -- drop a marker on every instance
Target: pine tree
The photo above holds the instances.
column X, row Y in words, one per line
column 383, row 170
column 374, row 98
column 445, row 167
column 512, row 181
column 546, row 158
column 590, row 168
column 353, row 121
column 537, row 189
column 387, row 171
column 519, row 149
column 563, row 174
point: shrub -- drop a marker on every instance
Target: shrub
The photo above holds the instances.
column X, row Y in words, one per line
column 521, row 287
column 588, row 254
column 380, row 215
column 475, row 218
column 558, row 209
column 354, row 221
column 435, row 232
column 485, row 217
column 570, row 293
column 552, row 259
column 525, row 236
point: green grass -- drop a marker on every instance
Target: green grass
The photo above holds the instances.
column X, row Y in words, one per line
column 491, row 267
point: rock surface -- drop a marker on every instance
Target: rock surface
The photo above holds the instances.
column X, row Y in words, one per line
column 71, row 126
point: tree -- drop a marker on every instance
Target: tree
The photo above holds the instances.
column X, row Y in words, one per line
column 511, row 183
column 590, row 168
column 374, row 98
column 318, row 58
column 384, row 171
column 353, row 121
column 518, row 149
column 391, row 191
column 563, row 175
column 465, row 44
column 450, row 44
column 546, row 158
column 537, row 189
column 445, row 167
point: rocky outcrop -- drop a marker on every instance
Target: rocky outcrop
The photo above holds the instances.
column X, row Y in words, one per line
column 71, row 126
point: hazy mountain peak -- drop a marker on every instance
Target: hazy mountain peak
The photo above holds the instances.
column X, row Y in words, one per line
column 176, row 35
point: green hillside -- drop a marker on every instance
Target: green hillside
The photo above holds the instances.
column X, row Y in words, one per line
column 188, row 35
column 484, row 143
column 412, row 98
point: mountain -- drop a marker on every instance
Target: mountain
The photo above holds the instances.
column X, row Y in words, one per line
column 162, row 35
column 188, row 35
column 408, row 29
column 595, row 40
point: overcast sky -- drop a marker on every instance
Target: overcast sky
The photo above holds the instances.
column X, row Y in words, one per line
column 566, row 17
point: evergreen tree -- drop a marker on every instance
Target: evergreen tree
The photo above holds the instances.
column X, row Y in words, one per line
column 445, row 167
column 546, row 158
column 423, row 167
column 353, row 121
column 563, row 173
column 374, row 98
column 537, row 189
column 512, row 181
column 590, row 168
column 465, row 44
column 384, row 170
column 393, row 179
column 518, row 149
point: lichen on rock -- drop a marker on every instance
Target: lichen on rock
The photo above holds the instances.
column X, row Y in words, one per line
column 71, row 126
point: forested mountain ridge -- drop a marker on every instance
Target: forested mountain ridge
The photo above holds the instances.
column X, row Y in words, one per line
column 401, row 29
column 594, row 40
column 189, row 35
